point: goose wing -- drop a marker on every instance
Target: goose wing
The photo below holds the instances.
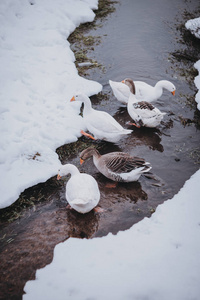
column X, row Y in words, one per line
column 143, row 90
column 100, row 120
column 118, row 162
column 120, row 90
column 145, row 109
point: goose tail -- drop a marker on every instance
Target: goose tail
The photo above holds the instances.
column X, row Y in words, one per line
column 78, row 202
column 127, row 131
column 147, row 167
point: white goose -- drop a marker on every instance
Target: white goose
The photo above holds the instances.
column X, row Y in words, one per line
column 120, row 91
column 102, row 125
column 142, row 112
column 82, row 191
column 143, row 91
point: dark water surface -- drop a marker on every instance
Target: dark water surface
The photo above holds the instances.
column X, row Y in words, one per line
column 137, row 42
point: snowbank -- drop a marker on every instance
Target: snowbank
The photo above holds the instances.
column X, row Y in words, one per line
column 38, row 78
column 194, row 26
column 197, row 83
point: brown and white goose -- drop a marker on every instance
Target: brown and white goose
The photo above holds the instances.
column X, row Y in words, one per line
column 117, row 166
column 142, row 112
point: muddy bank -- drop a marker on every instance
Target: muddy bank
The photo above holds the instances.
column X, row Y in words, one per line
column 117, row 46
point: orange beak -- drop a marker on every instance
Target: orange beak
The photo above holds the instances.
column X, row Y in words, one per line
column 58, row 177
column 81, row 161
column 173, row 93
column 73, row 99
column 123, row 81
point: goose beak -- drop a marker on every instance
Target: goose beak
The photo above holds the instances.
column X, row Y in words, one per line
column 58, row 177
column 81, row 161
column 123, row 81
column 73, row 99
column 173, row 93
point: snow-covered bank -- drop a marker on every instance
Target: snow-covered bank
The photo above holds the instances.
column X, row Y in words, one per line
column 38, row 78
column 158, row 258
column 197, row 83
column 194, row 26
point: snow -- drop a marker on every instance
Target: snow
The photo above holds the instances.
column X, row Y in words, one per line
column 194, row 26
column 197, row 83
column 158, row 258
column 38, row 79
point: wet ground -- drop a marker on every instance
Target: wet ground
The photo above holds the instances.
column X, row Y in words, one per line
column 144, row 43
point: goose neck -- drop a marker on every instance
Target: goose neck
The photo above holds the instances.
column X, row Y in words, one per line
column 132, row 98
column 68, row 169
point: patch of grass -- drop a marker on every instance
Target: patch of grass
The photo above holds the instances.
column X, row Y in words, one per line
column 152, row 210
column 91, row 40
column 35, row 156
column 99, row 97
column 195, row 155
column 81, row 56
column 73, row 149
column 104, row 9
column 81, row 42
column 185, row 121
column 16, row 210
column 29, row 199
column 187, row 100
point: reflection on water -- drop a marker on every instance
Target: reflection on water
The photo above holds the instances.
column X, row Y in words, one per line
column 131, row 192
column 81, row 226
column 147, row 137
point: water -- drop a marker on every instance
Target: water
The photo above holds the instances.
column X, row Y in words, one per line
column 137, row 42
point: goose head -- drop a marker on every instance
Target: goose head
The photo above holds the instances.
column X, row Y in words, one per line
column 67, row 169
column 80, row 97
column 129, row 82
column 168, row 85
column 87, row 153
column 84, row 99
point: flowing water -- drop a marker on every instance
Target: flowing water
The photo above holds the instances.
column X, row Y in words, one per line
column 137, row 41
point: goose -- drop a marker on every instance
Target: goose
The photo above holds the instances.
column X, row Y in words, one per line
column 143, row 91
column 82, row 191
column 117, row 166
column 102, row 125
column 120, row 91
column 143, row 113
